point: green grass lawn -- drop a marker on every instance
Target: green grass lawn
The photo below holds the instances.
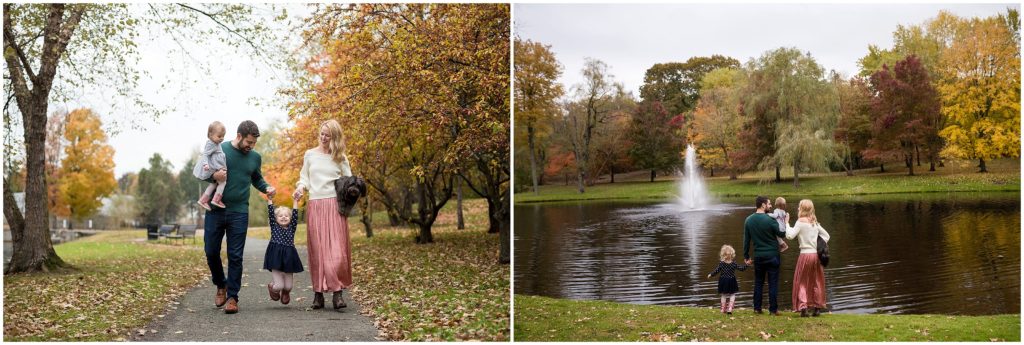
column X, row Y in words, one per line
column 957, row 176
column 119, row 284
column 449, row 290
column 547, row 319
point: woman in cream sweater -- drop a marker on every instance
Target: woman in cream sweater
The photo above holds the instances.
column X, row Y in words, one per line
column 809, row 275
column 330, row 259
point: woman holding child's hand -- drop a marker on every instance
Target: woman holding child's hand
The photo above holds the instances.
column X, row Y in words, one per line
column 330, row 263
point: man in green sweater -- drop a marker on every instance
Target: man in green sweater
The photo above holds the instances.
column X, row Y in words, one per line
column 243, row 170
column 761, row 230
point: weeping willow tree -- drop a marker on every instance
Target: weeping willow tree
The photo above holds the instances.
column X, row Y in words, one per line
column 800, row 107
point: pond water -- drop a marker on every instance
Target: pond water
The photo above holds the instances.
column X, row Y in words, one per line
column 925, row 254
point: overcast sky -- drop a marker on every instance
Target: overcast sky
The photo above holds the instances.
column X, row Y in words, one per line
column 632, row 38
column 237, row 88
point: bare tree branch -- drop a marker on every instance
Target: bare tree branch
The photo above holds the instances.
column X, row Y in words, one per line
column 231, row 30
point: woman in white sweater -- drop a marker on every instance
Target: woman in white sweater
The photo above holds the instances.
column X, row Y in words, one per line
column 330, row 259
column 809, row 275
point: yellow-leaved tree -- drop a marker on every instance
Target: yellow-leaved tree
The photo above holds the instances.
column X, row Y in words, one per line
column 980, row 88
column 87, row 170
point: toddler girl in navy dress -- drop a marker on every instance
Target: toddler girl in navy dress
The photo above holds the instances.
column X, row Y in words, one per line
column 282, row 260
column 727, row 286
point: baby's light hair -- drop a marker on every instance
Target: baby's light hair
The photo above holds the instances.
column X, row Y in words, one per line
column 727, row 253
column 282, row 209
column 214, row 127
column 780, row 202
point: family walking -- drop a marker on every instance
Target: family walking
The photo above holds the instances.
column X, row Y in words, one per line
column 764, row 231
column 231, row 167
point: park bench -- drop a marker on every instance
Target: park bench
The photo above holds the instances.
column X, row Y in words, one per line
column 187, row 230
column 152, row 232
column 167, row 229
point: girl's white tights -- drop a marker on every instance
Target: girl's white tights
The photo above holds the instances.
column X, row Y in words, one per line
column 282, row 280
column 728, row 301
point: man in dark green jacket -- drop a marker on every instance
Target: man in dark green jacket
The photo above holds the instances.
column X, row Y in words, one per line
column 243, row 170
column 761, row 230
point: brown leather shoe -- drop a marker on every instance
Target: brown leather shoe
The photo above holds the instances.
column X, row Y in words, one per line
column 338, row 300
column 232, row 306
column 273, row 294
column 285, row 297
column 222, row 296
column 318, row 300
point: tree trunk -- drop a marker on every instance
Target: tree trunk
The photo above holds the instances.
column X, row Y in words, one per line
column 12, row 214
column 493, row 226
column 34, row 251
column 981, row 166
column 796, row 174
column 653, row 174
column 612, row 170
column 533, row 166
column 425, row 235
column 778, row 173
column 579, row 182
column 393, row 219
column 458, row 193
column 882, row 166
column 505, row 252
column 849, row 162
column 712, row 171
column 910, row 164
column 931, row 162
column 367, row 217
column 918, row 149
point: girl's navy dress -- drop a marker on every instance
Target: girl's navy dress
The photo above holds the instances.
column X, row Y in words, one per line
column 281, row 254
column 727, row 280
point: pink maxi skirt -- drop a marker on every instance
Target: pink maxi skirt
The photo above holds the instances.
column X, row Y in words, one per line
column 330, row 254
column 808, row 283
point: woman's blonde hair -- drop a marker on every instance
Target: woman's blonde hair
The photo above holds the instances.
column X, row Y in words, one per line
column 337, row 144
column 806, row 209
column 727, row 253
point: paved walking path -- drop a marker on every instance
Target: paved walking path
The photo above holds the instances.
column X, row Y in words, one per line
column 195, row 318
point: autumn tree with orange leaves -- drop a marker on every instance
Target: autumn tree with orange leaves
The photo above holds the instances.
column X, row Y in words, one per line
column 421, row 91
column 87, row 170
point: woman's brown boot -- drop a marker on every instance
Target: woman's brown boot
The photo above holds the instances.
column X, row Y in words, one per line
column 318, row 300
column 339, row 301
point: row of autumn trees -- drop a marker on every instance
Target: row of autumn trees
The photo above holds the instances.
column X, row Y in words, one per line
column 949, row 88
column 422, row 94
column 79, row 166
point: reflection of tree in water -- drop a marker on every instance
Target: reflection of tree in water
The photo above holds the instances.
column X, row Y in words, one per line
column 983, row 254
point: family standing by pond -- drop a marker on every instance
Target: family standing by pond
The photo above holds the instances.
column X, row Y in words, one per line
column 764, row 231
column 231, row 167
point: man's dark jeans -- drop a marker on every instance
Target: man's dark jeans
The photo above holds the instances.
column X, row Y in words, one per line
column 766, row 266
column 235, row 226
